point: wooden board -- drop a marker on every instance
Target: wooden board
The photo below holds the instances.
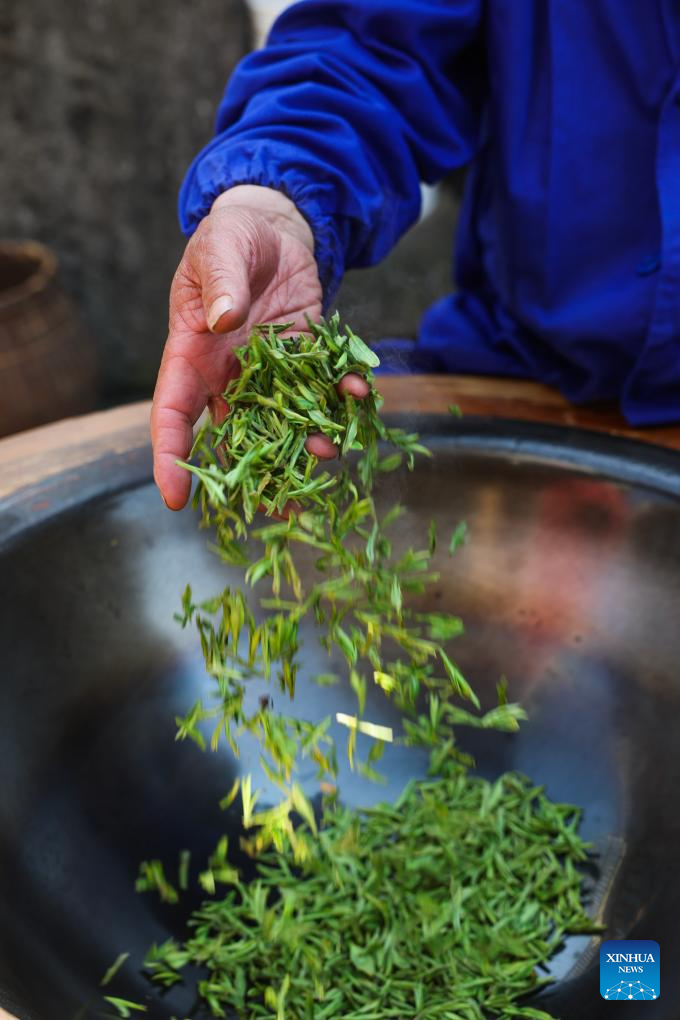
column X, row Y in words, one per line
column 522, row 401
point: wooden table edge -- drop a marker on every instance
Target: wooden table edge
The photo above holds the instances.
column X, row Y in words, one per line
column 28, row 458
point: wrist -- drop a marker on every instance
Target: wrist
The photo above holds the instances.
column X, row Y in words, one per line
column 279, row 210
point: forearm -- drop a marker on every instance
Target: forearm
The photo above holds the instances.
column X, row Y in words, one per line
column 348, row 107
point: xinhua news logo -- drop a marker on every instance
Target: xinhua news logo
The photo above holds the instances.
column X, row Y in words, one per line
column 630, row 970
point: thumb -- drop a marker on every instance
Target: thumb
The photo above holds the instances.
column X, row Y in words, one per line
column 223, row 273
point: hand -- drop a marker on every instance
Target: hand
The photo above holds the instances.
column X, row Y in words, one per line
column 251, row 260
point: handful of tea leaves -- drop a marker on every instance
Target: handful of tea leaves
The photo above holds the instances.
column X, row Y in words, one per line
column 442, row 905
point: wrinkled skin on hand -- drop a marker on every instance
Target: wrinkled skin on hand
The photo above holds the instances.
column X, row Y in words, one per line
column 251, row 260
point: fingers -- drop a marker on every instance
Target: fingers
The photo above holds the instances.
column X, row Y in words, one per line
column 218, row 408
column 179, row 400
column 355, row 385
column 321, row 446
column 221, row 262
column 211, row 292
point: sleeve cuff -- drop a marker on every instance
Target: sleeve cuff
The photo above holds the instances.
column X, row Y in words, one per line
column 214, row 172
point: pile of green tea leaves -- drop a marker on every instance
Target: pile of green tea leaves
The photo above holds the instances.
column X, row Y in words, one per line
column 442, row 905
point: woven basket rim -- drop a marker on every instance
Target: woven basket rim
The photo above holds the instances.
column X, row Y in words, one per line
column 45, row 270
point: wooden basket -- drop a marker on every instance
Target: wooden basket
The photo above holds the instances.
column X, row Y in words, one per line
column 47, row 359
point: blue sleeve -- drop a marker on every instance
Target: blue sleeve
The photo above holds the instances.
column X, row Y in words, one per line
column 349, row 106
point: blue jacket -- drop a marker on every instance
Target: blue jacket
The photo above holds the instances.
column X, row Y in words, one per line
column 568, row 250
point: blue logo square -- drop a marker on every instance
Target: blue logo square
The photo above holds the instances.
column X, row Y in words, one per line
column 630, row 970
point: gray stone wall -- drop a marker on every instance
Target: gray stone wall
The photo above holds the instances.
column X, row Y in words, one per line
column 105, row 103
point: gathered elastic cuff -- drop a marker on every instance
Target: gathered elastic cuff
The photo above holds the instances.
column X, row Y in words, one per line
column 214, row 172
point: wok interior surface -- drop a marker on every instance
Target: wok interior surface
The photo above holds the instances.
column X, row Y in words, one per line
column 569, row 585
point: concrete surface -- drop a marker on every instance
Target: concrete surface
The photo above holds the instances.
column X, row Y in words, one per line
column 103, row 106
